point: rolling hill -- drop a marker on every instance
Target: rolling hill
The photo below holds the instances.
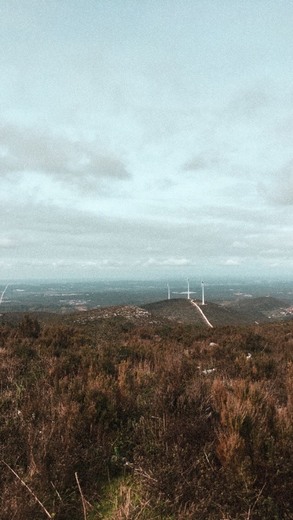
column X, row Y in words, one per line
column 245, row 311
column 180, row 310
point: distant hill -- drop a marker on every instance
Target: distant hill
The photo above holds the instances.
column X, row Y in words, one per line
column 244, row 311
column 259, row 309
column 241, row 312
column 178, row 309
column 182, row 311
column 262, row 304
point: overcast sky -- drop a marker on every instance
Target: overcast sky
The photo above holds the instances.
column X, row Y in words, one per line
column 146, row 138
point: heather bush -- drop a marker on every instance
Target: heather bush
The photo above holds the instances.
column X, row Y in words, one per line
column 156, row 421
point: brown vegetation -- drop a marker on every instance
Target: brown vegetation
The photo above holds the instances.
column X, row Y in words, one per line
column 124, row 421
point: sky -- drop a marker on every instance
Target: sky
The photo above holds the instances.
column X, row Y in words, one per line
column 146, row 139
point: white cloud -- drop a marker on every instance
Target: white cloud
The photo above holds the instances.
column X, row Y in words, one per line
column 7, row 243
column 78, row 162
column 207, row 160
column 168, row 262
column 232, row 262
column 281, row 189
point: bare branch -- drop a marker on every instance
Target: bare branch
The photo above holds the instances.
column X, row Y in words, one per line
column 28, row 488
column 82, row 497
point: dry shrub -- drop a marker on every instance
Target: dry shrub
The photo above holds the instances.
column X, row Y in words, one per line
column 118, row 400
column 230, row 447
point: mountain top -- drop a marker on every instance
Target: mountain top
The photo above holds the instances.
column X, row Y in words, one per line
column 243, row 312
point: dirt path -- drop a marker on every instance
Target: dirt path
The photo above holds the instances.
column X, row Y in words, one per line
column 202, row 314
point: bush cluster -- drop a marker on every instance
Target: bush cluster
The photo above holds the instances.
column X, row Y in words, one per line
column 124, row 421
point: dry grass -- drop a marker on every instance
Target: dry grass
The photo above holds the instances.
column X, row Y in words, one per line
column 131, row 421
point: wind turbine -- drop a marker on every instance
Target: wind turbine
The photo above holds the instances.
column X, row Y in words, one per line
column 188, row 289
column 202, row 293
column 169, row 294
column 3, row 292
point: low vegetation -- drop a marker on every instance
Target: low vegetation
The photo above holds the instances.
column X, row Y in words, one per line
column 119, row 420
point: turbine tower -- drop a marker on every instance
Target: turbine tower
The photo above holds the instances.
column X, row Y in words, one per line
column 3, row 292
column 188, row 289
column 202, row 293
column 169, row 294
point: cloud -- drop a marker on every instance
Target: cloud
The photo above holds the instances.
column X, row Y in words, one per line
column 202, row 161
column 195, row 164
column 232, row 262
column 70, row 161
column 7, row 243
column 250, row 102
column 168, row 262
column 46, row 230
column 280, row 190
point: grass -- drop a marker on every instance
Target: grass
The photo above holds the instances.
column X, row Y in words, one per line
column 145, row 421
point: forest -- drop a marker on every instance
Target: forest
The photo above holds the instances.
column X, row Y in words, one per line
column 133, row 420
